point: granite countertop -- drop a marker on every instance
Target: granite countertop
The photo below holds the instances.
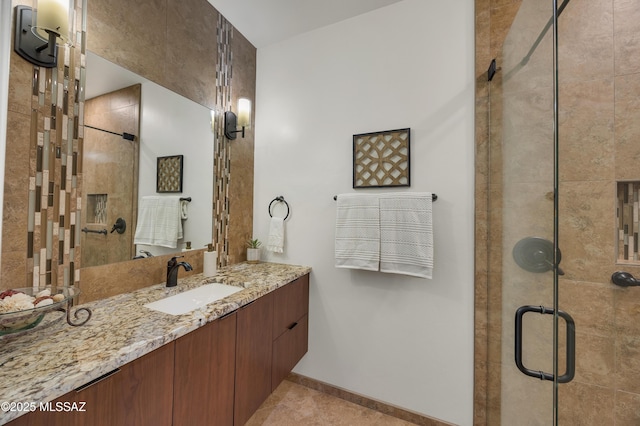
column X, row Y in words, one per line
column 43, row 364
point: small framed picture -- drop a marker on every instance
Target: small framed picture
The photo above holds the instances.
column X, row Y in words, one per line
column 381, row 159
column 169, row 174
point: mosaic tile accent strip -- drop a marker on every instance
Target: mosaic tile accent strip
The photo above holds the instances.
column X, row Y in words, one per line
column 54, row 182
column 222, row 149
column 381, row 159
column 627, row 213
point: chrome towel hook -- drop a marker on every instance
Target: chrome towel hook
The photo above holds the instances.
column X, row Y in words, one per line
column 281, row 199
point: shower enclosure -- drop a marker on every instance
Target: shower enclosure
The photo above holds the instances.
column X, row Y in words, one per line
column 110, row 187
column 558, row 183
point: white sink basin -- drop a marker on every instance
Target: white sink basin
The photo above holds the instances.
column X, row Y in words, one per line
column 193, row 299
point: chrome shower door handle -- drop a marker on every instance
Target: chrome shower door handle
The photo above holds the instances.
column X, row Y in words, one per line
column 571, row 344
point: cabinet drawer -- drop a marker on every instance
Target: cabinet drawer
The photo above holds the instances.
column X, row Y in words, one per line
column 288, row 349
column 291, row 303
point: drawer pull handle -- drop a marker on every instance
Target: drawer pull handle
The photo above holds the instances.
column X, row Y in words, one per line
column 292, row 326
column 97, row 379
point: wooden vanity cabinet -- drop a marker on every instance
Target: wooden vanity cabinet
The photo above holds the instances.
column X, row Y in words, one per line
column 253, row 357
column 139, row 393
column 290, row 328
column 204, row 374
column 272, row 336
column 218, row 374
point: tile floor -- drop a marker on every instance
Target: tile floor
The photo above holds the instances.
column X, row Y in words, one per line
column 295, row 405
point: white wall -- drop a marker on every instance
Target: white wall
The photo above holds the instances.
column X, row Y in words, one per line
column 402, row 340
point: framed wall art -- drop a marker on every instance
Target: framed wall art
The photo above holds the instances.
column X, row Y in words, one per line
column 381, row 159
column 169, row 174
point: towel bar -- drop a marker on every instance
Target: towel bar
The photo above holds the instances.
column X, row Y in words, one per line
column 434, row 197
column 187, row 199
column 93, row 231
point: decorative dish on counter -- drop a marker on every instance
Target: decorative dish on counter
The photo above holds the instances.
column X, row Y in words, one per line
column 24, row 308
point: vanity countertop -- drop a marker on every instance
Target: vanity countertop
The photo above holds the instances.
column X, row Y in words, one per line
column 45, row 363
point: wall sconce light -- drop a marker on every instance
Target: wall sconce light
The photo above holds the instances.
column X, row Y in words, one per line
column 231, row 122
column 37, row 30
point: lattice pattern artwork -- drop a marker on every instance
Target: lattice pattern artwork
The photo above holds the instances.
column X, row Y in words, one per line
column 169, row 177
column 381, row 159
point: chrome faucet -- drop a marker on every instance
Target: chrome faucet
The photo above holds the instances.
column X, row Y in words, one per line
column 172, row 270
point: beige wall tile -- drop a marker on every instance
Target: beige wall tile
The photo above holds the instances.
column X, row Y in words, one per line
column 595, row 358
column 628, row 362
column 130, row 34
column 627, row 409
column 627, row 37
column 577, row 298
column 627, row 126
column 585, row 404
column 16, row 189
column 586, row 130
column 587, row 230
column 191, row 39
column 105, row 281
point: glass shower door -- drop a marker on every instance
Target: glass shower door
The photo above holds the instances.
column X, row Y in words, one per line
column 536, row 349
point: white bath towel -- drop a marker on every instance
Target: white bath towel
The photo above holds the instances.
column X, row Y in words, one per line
column 357, row 240
column 406, row 234
column 159, row 221
column 275, row 242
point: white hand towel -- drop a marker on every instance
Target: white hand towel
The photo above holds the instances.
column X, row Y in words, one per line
column 146, row 220
column 406, row 234
column 357, row 240
column 275, row 242
column 168, row 222
column 159, row 222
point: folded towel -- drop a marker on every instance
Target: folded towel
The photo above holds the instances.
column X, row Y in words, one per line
column 159, row 221
column 357, row 243
column 406, row 234
column 184, row 209
column 275, row 242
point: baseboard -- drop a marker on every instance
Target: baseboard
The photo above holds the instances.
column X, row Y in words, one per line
column 383, row 407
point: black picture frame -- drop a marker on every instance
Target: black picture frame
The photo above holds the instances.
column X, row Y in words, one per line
column 382, row 159
column 169, row 173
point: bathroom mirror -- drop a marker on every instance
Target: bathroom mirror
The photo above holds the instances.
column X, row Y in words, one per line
column 119, row 172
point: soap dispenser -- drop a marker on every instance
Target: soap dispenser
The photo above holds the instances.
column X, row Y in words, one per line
column 210, row 262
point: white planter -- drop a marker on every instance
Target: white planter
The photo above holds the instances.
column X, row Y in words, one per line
column 253, row 255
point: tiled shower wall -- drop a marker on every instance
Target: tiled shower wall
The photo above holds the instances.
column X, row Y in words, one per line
column 599, row 74
column 181, row 54
column 113, row 181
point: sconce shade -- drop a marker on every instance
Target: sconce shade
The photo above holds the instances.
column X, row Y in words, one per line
column 38, row 30
column 53, row 16
column 244, row 112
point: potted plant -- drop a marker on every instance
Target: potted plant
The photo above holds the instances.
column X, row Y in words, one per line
column 253, row 250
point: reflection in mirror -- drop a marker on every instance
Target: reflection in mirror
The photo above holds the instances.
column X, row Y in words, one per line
column 120, row 174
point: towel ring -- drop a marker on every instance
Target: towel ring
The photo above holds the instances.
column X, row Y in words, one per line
column 281, row 199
